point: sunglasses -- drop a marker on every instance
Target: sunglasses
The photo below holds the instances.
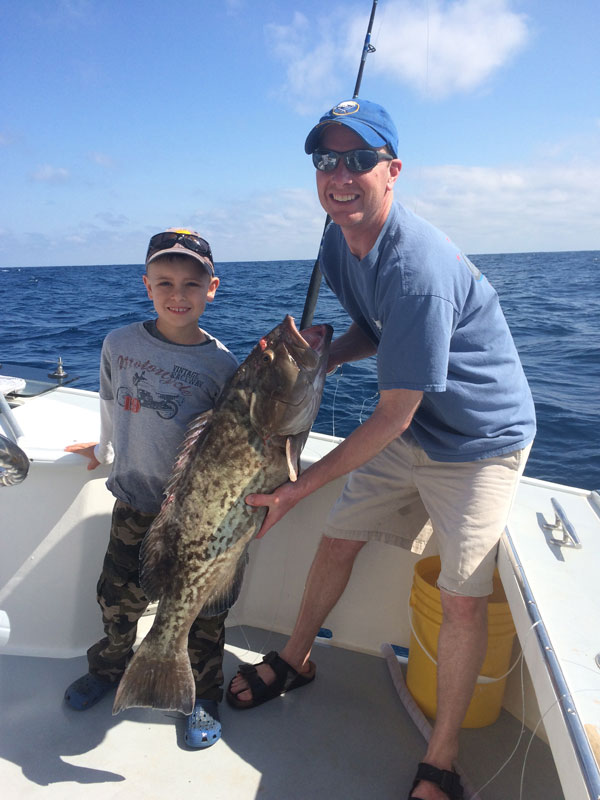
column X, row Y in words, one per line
column 356, row 160
column 168, row 239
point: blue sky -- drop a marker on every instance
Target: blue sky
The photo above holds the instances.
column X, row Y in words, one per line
column 119, row 118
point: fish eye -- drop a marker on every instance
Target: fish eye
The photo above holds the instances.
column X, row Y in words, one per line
column 268, row 356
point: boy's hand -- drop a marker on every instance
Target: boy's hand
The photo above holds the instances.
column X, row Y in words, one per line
column 86, row 450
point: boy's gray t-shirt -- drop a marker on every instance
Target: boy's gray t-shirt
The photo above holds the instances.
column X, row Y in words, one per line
column 152, row 389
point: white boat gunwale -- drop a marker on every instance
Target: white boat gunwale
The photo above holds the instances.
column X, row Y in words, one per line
column 580, row 744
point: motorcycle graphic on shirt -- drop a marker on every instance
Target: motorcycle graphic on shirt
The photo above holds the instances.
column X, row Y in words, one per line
column 165, row 405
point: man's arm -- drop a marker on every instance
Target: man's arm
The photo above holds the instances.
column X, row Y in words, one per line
column 350, row 346
column 392, row 416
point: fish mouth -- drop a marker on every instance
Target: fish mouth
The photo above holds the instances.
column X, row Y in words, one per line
column 307, row 352
column 316, row 338
column 291, row 393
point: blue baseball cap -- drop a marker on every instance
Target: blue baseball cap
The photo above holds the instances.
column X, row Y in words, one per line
column 371, row 122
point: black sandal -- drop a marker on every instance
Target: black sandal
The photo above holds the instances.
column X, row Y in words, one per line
column 447, row 780
column 286, row 679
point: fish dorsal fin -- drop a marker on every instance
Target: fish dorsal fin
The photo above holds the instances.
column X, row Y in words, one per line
column 156, row 554
column 193, row 435
column 293, row 449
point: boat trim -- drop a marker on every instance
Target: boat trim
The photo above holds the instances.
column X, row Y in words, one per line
column 14, row 427
column 581, row 745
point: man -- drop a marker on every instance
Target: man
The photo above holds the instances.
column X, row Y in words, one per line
column 448, row 439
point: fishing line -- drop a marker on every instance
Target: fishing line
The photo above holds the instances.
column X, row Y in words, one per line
column 534, row 732
column 523, row 726
column 264, row 647
column 315, row 278
column 313, row 293
column 426, row 96
column 380, row 25
column 373, row 399
column 519, row 737
column 480, row 678
column 520, row 659
column 339, row 372
column 531, row 740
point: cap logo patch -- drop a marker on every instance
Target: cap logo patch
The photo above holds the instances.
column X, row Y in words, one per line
column 345, row 108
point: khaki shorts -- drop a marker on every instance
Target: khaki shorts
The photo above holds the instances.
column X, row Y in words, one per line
column 401, row 496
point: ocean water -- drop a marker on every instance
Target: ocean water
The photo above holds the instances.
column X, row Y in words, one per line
column 551, row 302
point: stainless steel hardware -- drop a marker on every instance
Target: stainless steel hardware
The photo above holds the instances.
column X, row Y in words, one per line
column 564, row 526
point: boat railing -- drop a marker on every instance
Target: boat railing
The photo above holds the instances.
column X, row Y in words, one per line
column 14, row 463
column 13, row 426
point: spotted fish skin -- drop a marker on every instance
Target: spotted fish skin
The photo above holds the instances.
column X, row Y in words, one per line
column 250, row 443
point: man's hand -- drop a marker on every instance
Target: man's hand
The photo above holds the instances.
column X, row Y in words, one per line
column 86, row 450
column 278, row 503
column 391, row 417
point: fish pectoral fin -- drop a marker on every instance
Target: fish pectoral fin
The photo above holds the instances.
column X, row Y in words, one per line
column 293, row 449
column 227, row 591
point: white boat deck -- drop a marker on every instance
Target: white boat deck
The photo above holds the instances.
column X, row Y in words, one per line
column 345, row 736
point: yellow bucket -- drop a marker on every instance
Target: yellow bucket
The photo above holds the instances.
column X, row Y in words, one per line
column 421, row 675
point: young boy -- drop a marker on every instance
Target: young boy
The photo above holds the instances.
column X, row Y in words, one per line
column 155, row 377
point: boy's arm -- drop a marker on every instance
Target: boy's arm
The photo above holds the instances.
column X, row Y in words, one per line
column 103, row 451
column 98, row 452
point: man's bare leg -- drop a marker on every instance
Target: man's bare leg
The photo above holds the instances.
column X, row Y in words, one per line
column 327, row 579
column 462, row 644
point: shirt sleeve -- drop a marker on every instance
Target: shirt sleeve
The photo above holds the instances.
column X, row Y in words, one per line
column 414, row 350
column 104, row 449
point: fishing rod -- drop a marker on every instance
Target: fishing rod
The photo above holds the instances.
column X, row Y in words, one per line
column 315, row 279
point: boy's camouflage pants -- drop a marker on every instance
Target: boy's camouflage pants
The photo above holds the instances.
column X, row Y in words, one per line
column 123, row 603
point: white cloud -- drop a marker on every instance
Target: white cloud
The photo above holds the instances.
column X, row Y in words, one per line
column 437, row 48
column 442, row 49
column 50, row 174
column 281, row 225
column 496, row 210
column 102, row 159
column 483, row 209
column 311, row 58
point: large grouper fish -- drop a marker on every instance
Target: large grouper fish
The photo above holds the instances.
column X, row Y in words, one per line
column 250, row 442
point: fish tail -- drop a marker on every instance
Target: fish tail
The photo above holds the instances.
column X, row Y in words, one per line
column 153, row 681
